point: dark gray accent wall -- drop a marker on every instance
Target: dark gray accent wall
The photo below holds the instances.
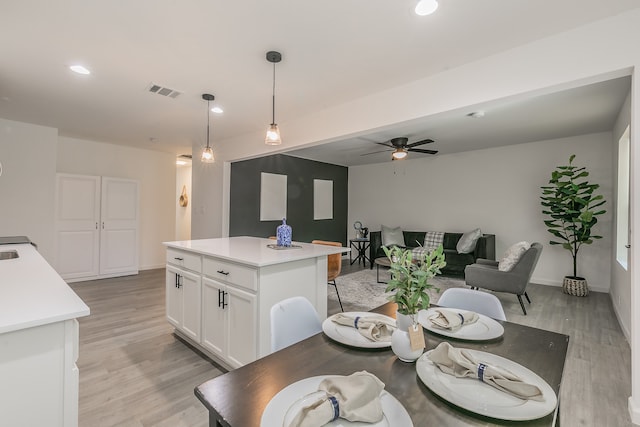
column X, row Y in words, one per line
column 244, row 199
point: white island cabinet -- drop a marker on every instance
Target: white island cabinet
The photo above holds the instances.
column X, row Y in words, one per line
column 220, row 291
column 38, row 342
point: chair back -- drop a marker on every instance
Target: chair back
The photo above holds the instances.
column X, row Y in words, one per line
column 334, row 261
column 472, row 300
column 293, row 320
column 525, row 266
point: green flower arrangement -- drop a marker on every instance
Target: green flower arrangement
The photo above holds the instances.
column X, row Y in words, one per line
column 410, row 277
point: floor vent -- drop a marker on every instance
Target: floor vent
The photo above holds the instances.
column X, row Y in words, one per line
column 164, row 91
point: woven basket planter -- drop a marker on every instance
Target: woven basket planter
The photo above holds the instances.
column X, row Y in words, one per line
column 575, row 286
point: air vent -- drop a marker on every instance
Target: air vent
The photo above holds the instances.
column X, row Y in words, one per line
column 164, row 91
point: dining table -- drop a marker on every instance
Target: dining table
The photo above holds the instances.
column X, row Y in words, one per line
column 238, row 398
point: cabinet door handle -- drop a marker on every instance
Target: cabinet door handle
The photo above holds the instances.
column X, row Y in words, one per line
column 175, row 285
column 219, row 297
column 226, row 273
column 96, row 225
column 103, row 225
column 179, row 281
column 224, row 304
column 178, row 259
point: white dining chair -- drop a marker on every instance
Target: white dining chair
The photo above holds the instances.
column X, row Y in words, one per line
column 472, row 300
column 293, row 320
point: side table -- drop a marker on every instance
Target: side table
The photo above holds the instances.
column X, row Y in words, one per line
column 360, row 245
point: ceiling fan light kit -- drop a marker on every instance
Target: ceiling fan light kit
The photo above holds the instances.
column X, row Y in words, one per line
column 207, row 153
column 399, row 154
column 273, row 132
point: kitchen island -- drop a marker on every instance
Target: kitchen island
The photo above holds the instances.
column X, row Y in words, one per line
column 219, row 292
column 38, row 341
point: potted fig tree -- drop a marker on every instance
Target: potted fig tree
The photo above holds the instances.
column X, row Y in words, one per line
column 572, row 206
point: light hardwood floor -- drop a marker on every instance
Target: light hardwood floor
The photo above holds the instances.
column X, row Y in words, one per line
column 134, row 372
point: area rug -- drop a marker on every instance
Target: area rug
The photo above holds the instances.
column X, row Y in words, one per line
column 360, row 291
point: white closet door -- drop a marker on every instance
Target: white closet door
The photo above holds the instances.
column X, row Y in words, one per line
column 77, row 225
column 119, row 226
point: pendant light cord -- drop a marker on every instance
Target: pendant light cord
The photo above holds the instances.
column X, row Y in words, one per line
column 208, row 115
column 273, row 98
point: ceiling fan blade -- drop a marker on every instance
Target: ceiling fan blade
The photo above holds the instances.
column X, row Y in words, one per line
column 376, row 152
column 420, row 150
column 424, row 141
column 386, row 144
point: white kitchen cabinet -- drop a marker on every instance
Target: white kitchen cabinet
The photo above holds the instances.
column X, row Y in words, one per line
column 242, row 278
column 229, row 317
column 96, row 227
column 38, row 343
column 183, row 298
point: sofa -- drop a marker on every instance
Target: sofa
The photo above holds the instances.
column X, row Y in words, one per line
column 456, row 262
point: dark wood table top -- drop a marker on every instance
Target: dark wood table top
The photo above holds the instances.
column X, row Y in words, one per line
column 239, row 397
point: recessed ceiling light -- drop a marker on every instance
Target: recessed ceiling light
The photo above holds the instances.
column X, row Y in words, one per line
column 426, row 7
column 180, row 162
column 79, row 69
column 217, row 110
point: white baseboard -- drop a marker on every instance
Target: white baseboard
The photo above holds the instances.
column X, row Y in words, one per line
column 634, row 411
column 558, row 284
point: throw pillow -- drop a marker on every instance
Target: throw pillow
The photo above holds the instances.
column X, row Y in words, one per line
column 467, row 242
column 392, row 236
column 512, row 256
column 433, row 239
column 420, row 252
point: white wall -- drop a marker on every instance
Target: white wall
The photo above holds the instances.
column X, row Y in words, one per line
column 156, row 173
column 27, row 184
column 497, row 190
column 183, row 214
column 620, row 277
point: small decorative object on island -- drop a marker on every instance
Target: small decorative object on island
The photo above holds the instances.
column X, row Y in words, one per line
column 410, row 282
column 283, row 234
column 570, row 205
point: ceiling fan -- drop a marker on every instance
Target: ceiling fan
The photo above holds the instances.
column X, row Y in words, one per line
column 401, row 148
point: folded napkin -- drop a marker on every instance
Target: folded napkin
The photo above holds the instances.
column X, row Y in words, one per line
column 372, row 327
column 460, row 363
column 355, row 398
column 451, row 319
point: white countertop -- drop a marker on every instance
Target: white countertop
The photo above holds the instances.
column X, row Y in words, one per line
column 254, row 250
column 32, row 293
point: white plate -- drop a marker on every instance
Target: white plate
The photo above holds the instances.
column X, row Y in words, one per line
column 350, row 336
column 476, row 396
column 296, row 394
column 485, row 328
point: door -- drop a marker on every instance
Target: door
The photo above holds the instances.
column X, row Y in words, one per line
column 173, row 297
column 77, row 225
column 242, row 327
column 119, row 226
column 213, row 316
column 189, row 285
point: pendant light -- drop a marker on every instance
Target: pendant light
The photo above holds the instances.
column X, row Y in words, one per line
column 207, row 153
column 273, row 133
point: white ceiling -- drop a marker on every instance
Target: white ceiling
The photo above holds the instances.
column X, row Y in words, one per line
column 333, row 52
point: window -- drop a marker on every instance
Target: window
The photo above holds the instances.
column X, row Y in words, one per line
column 622, row 207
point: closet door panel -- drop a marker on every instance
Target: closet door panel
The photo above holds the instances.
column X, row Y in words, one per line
column 77, row 225
column 119, row 226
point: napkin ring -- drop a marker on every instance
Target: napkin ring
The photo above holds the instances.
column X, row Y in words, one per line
column 481, row 368
column 336, row 408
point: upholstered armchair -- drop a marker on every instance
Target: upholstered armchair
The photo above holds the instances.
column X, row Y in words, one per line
column 486, row 275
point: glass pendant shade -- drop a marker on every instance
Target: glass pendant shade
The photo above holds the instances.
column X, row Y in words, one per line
column 207, row 155
column 273, row 135
column 426, row 7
